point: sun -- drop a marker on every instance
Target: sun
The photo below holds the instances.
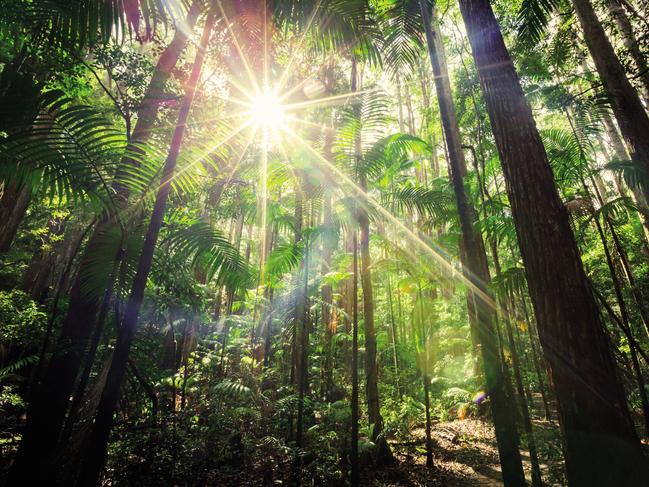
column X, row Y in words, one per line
column 266, row 110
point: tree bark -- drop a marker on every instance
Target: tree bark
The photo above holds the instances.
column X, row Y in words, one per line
column 13, row 206
column 601, row 447
column 476, row 267
column 94, row 457
column 629, row 112
column 625, row 28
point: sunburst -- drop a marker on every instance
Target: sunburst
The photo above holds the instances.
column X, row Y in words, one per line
column 270, row 116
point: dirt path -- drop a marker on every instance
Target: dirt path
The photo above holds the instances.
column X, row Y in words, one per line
column 465, row 454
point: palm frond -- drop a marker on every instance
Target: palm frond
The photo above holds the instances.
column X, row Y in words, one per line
column 436, row 204
column 77, row 24
column 635, row 173
column 203, row 245
column 68, row 153
column 401, row 24
column 533, row 19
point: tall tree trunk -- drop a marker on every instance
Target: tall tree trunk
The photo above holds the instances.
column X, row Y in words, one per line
column 520, row 387
column 328, row 246
column 371, row 365
column 393, row 329
column 475, row 266
column 95, row 455
column 301, row 316
column 47, row 410
column 601, row 447
column 620, row 153
column 625, row 28
column 628, row 110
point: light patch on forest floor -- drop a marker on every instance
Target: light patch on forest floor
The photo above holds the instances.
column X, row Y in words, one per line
column 464, row 451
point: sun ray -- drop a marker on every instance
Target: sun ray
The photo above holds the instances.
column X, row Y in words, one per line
column 302, row 121
column 295, row 88
column 198, row 159
column 445, row 262
column 193, row 163
column 245, row 92
column 242, row 56
column 284, row 76
column 329, row 99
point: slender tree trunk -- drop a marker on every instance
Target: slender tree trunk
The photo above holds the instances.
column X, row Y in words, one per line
column 13, row 206
column 371, row 366
column 617, row 287
column 601, row 447
column 301, row 329
column 355, row 467
column 328, row 246
column 520, row 387
column 95, row 455
column 393, row 328
column 629, row 112
column 429, row 441
column 46, row 412
column 536, row 359
column 476, row 268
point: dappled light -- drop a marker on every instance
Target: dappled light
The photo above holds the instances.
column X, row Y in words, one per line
column 332, row 242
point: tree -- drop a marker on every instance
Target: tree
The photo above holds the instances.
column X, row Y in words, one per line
column 628, row 109
column 476, row 266
column 49, row 405
column 600, row 443
column 94, row 457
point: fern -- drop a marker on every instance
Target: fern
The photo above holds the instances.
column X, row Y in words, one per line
column 233, row 390
column 18, row 364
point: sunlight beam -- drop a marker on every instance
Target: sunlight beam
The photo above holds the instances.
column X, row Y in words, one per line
column 242, row 56
column 344, row 179
column 328, row 99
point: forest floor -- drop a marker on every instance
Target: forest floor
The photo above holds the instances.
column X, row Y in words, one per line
column 465, row 454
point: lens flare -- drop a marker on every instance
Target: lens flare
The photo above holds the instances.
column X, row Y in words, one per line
column 266, row 110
